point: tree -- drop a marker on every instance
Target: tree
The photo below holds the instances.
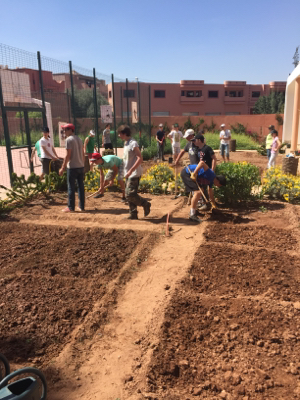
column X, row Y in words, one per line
column 272, row 104
column 84, row 102
column 296, row 57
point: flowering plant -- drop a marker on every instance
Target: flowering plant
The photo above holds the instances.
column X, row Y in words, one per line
column 281, row 186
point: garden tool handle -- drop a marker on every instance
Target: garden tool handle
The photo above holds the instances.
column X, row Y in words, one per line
column 27, row 370
column 6, row 364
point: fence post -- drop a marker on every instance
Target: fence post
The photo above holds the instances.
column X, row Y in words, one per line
column 127, row 102
column 68, row 104
column 6, row 136
column 42, row 89
column 96, row 109
column 139, row 110
column 27, row 130
column 121, row 100
column 73, row 96
column 150, row 114
column 114, row 108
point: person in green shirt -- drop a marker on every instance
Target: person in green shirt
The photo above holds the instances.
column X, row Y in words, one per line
column 89, row 146
column 269, row 141
column 115, row 167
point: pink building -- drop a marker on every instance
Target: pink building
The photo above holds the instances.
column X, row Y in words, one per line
column 192, row 98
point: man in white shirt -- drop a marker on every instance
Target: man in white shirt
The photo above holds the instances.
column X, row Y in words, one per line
column 175, row 135
column 225, row 136
column 48, row 152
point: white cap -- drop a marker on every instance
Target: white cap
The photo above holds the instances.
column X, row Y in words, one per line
column 160, row 125
column 189, row 132
column 92, row 133
column 222, row 125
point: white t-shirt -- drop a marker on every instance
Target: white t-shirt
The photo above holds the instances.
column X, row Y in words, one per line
column 226, row 134
column 175, row 136
column 129, row 158
column 46, row 143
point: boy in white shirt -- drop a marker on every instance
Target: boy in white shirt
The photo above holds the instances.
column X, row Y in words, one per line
column 225, row 136
column 175, row 135
column 48, row 152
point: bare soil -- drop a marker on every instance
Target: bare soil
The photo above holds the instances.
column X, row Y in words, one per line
column 110, row 308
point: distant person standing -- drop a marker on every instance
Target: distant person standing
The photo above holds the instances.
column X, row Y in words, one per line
column 106, row 140
column 225, row 136
column 175, row 136
column 274, row 149
column 269, row 141
column 48, row 152
column 132, row 160
column 160, row 139
column 74, row 162
column 89, row 146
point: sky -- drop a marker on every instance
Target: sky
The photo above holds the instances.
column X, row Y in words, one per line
column 161, row 40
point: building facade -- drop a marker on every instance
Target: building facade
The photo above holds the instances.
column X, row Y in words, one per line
column 192, row 98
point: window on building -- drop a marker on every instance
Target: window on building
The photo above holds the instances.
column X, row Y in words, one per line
column 128, row 93
column 234, row 93
column 232, row 113
column 159, row 93
column 109, row 94
column 188, row 114
column 182, row 93
column 190, row 93
column 161, row 113
column 213, row 94
column 216, row 113
column 198, row 93
column 240, row 93
column 125, row 114
column 255, row 94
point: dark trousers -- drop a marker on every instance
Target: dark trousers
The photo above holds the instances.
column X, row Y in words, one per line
column 160, row 150
column 73, row 175
column 268, row 153
column 108, row 146
column 131, row 194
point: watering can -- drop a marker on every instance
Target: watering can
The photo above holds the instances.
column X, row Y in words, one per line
column 23, row 389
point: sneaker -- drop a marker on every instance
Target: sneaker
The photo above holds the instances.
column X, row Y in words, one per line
column 124, row 200
column 80, row 209
column 98, row 195
column 147, row 207
column 194, row 218
column 205, row 207
column 131, row 216
column 67, row 210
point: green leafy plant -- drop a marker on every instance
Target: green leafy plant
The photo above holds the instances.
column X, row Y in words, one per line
column 281, row 186
column 241, row 178
column 160, row 179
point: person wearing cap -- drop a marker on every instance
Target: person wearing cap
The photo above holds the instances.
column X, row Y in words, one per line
column 48, row 152
column 132, row 160
column 225, row 136
column 160, row 139
column 89, row 146
column 189, row 148
column 269, row 141
column 175, row 136
column 274, row 149
column 106, row 140
column 115, row 167
column 195, row 176
column 74, row 162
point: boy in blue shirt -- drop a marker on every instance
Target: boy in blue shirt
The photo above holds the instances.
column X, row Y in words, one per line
column 195, row 175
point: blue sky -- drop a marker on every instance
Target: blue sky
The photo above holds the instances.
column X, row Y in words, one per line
column 161, row 41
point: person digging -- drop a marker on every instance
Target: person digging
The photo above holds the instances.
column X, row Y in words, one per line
column 195, row 175
column 115, row 167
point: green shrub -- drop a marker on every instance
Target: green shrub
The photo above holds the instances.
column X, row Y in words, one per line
column 281, row 186
column 241, row 178
column 160, row 178
column 243, row 142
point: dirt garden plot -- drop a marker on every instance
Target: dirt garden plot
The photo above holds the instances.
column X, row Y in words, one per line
column 50, row 279
column 232, row 328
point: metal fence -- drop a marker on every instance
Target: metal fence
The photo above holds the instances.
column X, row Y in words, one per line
column 37, row 91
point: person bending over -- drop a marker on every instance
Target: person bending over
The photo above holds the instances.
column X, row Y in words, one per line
column 195, row 175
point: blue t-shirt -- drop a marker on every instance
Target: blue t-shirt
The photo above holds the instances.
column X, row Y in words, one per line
column 204, row 177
